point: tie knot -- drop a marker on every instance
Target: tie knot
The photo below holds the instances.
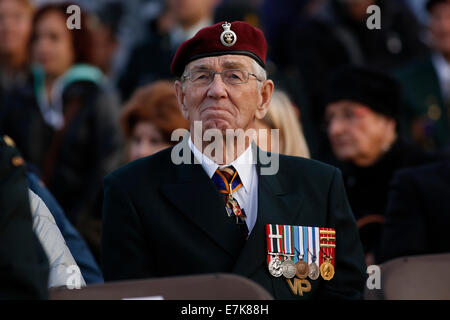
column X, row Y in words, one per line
column 225, row 177
column 227, row 172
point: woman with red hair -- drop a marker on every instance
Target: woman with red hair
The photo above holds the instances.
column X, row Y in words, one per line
column 149, row 118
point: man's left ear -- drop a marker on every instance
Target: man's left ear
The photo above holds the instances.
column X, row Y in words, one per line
column 265, row 97
column 180, row 98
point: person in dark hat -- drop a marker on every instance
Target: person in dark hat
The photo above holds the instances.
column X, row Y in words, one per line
column 362, row 106
column 186, row 210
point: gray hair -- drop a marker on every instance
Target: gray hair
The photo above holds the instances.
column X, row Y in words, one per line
column 260, row 72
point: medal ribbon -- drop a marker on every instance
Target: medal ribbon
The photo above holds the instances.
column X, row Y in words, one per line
column 296, row 241
column 280, row 241
column 287, row 236
column 322, row 242
column 274, row 243
column 314, row 257
column 316, row 245
column 305, row 244
column 327, row 243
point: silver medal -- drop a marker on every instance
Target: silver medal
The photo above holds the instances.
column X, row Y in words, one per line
column 275, row 267
column 314, row 271
column 288, row 269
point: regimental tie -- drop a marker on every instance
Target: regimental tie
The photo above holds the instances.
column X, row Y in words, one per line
column 227, row 181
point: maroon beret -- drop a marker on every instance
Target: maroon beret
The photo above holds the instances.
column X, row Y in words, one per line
column 220, row 39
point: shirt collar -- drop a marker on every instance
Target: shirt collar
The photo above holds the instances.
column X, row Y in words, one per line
column 244, row 164
column 442, row 66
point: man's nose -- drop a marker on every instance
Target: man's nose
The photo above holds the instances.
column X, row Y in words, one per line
column 217, row 88
column 335, row 127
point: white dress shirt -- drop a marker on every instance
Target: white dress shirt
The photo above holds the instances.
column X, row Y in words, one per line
column 247, row 195
column 443, row 72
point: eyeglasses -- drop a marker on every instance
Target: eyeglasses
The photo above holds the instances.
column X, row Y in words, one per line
column 231, row 76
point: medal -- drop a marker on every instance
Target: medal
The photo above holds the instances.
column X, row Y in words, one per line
column 302, row 270
column 274, row 243
column 288, row 266
column 231, row 205
column 275, row 267
column 314, row 271
column 301, row 244
column 327, row 247
column 327, row 270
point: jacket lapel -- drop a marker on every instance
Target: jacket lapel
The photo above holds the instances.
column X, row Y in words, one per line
column 196, row 196
column 276, row 205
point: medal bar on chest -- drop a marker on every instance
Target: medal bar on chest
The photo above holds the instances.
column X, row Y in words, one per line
column 274, row 244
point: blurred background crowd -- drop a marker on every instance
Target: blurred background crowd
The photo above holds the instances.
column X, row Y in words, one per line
column 374, row 102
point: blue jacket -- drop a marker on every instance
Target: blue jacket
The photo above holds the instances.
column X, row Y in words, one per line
column 77, row 246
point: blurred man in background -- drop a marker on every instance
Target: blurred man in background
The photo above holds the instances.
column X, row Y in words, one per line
column 426, row 85
column 361, row 119
column 337, row 35
column 418, row 207
column 178, row 21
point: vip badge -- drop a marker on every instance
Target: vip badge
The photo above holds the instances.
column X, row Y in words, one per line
column 227, row 37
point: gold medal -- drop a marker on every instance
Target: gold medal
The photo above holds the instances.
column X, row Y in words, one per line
column 327, row 270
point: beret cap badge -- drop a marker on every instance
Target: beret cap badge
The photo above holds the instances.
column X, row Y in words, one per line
column 227, row 37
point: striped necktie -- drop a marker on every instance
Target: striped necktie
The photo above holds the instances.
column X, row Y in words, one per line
column 227, row 182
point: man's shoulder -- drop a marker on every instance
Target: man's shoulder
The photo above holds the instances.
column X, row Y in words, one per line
column 301, row 164
column 425, row 174
column 151, row 166
column 305, row 169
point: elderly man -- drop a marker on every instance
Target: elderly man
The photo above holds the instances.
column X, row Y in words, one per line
column 361, row 112
column 212, row 214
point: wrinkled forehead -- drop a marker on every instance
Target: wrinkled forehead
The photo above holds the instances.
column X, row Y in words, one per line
column 218, row 63
column 343, row 106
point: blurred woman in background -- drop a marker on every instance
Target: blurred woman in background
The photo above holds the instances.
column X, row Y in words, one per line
column 66, row 121
column 283, row 115
column 15, row 30
column 149, row 118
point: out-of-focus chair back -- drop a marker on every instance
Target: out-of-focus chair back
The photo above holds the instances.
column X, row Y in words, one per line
column 425, row 277
column 198, row 287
